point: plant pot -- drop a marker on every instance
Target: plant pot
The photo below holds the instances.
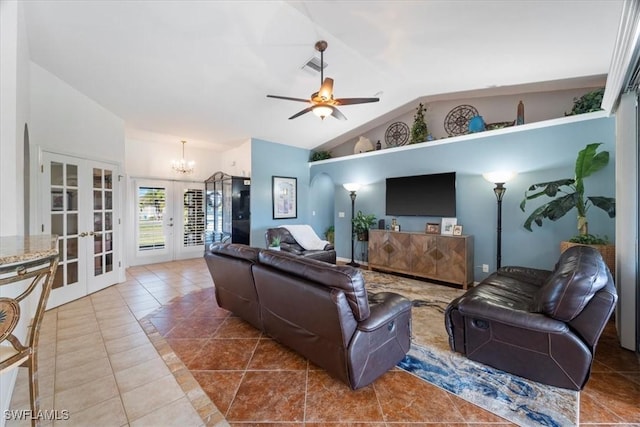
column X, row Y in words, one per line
column 608, row 253
column 363, row 236
column 274, row 248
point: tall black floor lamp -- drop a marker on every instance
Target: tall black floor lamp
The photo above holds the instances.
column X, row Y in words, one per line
column 352, row 188
column 499, row 179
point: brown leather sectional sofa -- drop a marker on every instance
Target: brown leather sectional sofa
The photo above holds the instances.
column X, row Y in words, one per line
column 289, row 244
column 318, row 309
column 538, row 324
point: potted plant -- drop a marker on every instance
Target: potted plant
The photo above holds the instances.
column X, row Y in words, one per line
column 330, row 234
column 361, row 225
column 275, row 244
column 419, row 129
column 569, row 193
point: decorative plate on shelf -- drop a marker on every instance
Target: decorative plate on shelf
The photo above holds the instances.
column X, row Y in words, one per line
column 397, row 134
column 457, row 120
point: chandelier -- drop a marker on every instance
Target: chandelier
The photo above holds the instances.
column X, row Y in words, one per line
column 183, row 166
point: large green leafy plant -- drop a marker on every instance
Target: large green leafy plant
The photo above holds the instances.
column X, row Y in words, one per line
column 361, row 225
column 568, row 194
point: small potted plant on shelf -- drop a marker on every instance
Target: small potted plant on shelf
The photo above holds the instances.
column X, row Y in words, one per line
column 361, row 225
column 275, row 244
column 568, row 194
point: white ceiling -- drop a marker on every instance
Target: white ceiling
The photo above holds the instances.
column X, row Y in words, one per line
column 201, row 70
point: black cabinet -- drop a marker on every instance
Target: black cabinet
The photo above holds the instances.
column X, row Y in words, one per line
column 228, row 216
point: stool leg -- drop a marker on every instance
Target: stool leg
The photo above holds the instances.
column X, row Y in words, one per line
column 33, row 389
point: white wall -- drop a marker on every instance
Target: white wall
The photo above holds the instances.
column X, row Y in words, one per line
column 627, row 219
column 151, row 158
column 237, row 162
column 14, row 112
column 65, row 120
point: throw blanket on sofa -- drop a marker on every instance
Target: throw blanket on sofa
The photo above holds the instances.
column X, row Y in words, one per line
column 306, row 237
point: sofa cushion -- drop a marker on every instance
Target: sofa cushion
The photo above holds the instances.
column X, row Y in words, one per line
column 579, row 274
column 343, row 277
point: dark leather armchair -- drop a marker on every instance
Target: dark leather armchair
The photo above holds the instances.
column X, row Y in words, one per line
column 289, row 244
column 538, row 324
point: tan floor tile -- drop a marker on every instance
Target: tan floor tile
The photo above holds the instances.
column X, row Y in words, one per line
column 70, row 345
column 109, row 333
column 86, row 395
column 125, row 343
column 141, row 374
column 84, row 355
column 71, row 322
column 180, row 412
column 82, row 374
column 107, row 413
column 78, row 330
column 151, row 396
column 135, row 356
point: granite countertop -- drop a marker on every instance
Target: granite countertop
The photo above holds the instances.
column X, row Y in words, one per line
column 18, row 249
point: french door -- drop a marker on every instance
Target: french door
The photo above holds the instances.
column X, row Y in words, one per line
column 169, row 220
column 80, row 199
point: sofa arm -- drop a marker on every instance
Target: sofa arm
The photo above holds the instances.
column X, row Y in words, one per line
column 329, row 247
column 483, row 310
column 385, row 307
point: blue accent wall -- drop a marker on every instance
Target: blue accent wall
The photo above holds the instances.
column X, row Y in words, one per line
column 270, row 159
column 538, row 154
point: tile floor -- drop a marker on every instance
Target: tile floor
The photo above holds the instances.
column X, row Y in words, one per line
column 127, row 356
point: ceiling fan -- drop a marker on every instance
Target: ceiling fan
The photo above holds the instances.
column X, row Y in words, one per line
column 322, row 102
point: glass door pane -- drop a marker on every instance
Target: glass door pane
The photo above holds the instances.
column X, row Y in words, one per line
column 152, row 204
column 102, row 221
column 193, row 217
column 63, row 196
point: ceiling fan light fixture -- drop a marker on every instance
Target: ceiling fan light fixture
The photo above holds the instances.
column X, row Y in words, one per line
column 322, row 111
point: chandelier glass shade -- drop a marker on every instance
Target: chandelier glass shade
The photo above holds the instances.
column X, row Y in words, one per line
column 183, row 166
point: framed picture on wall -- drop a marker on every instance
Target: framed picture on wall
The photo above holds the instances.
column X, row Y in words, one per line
column 448, row 224
column 285, row 197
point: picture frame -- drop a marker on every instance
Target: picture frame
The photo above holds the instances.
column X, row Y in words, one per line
column 285, row 197
column 432, row 228
column 447, row 225
column 457, row 230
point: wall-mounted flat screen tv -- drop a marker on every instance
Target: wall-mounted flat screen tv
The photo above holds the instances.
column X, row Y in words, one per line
column 422, row 195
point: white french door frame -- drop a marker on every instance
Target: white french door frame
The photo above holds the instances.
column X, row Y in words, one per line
column 91, row 205
column 176, row 241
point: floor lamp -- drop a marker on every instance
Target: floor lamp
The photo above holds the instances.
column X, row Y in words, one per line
column 352, row 188
column 499, row 179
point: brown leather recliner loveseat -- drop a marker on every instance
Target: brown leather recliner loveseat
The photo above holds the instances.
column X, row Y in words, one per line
column 318, row 309
column 289, row 244
column 538, row 324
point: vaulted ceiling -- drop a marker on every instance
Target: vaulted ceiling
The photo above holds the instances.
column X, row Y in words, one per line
column 201, row 70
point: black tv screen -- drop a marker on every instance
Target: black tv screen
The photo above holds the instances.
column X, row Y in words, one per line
column 422, row 195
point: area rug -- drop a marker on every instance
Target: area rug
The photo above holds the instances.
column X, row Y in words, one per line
column 516, row 399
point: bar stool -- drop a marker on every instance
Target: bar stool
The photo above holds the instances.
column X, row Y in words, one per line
column 13, row 353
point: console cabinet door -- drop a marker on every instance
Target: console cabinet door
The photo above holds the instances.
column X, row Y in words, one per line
column 451, row 259
column 423, row 255
column 388, row 249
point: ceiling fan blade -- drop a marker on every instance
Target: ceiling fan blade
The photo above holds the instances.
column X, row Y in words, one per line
column 337, row 114
column 288, row 98
column 326, row 90
column 351, row 101
column 298, row 114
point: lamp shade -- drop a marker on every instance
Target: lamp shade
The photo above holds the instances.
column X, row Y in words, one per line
column 499, row 176
column 351, row 186
column 322, row 111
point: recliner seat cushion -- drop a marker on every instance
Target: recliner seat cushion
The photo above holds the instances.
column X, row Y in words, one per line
column 579, row 274
column 345, row 278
